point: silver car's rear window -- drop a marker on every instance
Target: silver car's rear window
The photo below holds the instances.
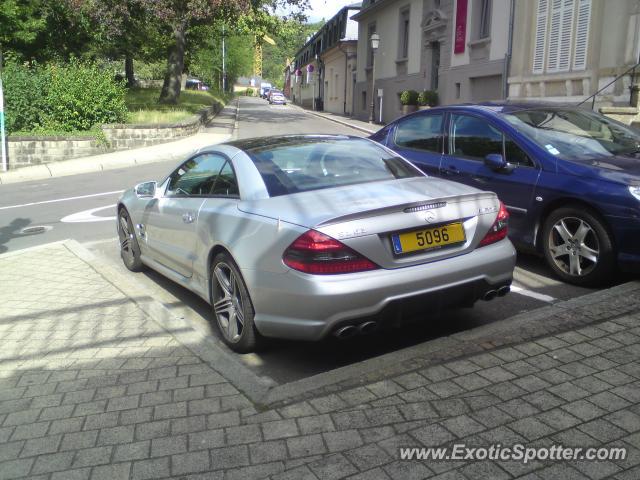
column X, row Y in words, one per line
column 315, row 164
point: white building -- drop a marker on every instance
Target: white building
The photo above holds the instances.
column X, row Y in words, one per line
column 455, row 47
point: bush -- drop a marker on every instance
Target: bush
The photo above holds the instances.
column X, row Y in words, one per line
column 69, row 97
column 249, row 92
column 83, row 95
column 409, row 97
column 24, row 96
column 428, row 98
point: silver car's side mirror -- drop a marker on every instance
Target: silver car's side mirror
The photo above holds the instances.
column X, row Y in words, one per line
column 146, row 189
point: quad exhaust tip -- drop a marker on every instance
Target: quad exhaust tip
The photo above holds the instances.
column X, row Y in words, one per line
column 346, row 332
column 500, row 292
column 490, row 295
column 349, row 331
column 367, row 327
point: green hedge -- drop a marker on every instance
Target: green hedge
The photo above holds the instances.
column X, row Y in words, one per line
column 67, row 97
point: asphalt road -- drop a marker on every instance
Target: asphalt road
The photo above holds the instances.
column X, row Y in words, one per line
column 81, row 207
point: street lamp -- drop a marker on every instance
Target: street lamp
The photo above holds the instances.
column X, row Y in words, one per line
column 375, row 41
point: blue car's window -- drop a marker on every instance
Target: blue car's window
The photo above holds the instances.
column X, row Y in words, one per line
column 324, row 163
column 420, row 132
column 575, row 134
column 515, row 155
column 473, row 138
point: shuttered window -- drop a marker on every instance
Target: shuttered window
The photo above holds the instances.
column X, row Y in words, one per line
column 541, row 36
column 582, row 35
column 560, row 35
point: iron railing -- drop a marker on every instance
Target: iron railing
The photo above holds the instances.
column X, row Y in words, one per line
column 633, row 76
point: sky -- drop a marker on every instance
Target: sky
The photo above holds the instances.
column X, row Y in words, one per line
column 319, row 9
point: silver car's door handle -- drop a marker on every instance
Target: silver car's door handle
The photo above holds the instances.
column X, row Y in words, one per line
column 187, row 217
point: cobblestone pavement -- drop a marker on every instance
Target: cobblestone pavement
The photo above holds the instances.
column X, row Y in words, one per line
column 93, row 388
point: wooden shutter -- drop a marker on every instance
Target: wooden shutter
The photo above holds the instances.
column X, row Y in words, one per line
column 560, row 35
column 582, row 35
column 566, row 35
column 541, row 36
column 554, row 36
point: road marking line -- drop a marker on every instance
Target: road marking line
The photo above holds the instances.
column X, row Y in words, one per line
column 62, row 199
column 528, row 293
column 87, row 216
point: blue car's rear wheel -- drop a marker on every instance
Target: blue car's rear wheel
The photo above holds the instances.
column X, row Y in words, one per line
column 578, row 246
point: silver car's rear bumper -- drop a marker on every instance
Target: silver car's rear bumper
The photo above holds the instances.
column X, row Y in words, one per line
column 308, row 307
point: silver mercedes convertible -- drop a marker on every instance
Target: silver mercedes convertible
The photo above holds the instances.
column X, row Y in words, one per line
column 300, row 237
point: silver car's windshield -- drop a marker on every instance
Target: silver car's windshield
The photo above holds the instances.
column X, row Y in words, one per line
column 314, row 164
column 575, row 134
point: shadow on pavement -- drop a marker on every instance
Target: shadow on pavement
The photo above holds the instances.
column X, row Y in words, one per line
column 11, row 231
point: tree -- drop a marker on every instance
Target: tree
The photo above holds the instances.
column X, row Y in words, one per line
column 291, row 35
column 122, row 29
column 42, row 30
column 179, row 16
column 20, row 23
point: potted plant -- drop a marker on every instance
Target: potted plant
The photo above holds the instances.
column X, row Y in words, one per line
column 409, row 101
column 427, row 99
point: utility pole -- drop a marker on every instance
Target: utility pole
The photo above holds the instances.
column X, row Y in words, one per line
column 224, row 69
column 3, row 144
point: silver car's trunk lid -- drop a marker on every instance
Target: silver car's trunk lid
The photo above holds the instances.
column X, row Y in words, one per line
column 370, row 217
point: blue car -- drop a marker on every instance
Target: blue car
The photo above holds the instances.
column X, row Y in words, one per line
column 570, row 178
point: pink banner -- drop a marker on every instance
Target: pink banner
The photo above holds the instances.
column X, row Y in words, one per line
column 461, row 26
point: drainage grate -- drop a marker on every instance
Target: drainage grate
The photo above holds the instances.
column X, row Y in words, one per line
column 35, row 229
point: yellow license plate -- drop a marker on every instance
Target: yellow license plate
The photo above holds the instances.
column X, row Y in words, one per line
column 428, row 238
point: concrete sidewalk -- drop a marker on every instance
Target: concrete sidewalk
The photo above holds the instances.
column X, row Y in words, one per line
column 219, row 130
column 365, row 127
column 95, row 383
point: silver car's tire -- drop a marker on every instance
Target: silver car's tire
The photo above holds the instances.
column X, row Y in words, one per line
column 129, row 248
column 578, row 247
column 232, row 306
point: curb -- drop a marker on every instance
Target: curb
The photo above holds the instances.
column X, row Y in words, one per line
column 265, row 393
column 341, row 122
column 211, row 351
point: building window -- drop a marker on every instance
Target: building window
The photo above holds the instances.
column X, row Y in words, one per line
column 562, row 35
column 403, row 43
column 457, row 90
column 484, row 27
column 364, row 100
column 371, row 29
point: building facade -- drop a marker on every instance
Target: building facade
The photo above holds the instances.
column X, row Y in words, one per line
column 323, row 68
column 567, row 50
column 455, row 47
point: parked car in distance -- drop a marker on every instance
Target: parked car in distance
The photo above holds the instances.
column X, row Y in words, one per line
column 272, row 91
column 266, row 91
column 263, row 87
column 276, row 97
column 304, row 236
column 570, row 178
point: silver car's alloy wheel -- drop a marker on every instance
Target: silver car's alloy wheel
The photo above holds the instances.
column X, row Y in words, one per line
column 574, row 246
column 126, row 238
column 227, row 303
column 129, row 248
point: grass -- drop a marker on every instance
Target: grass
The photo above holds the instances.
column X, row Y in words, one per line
column 144, row 107
column 154, row 117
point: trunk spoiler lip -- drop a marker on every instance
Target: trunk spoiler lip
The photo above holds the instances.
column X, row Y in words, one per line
column 401, row 207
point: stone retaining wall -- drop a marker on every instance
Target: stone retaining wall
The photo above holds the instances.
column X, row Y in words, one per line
column 33, row 150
